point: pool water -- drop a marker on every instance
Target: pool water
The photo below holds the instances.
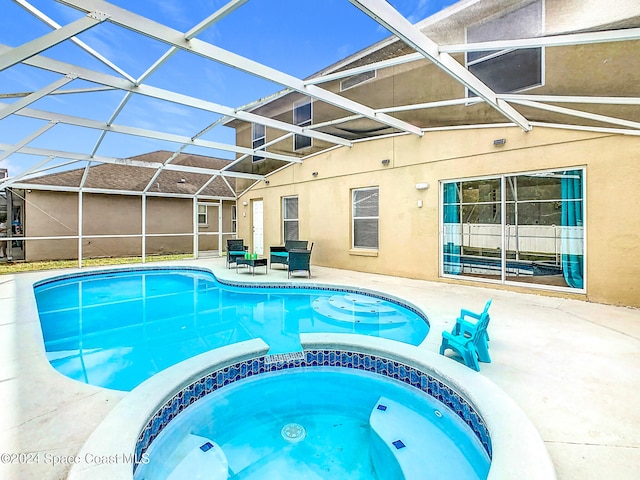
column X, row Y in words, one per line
column 116, row 329
column 247, row 425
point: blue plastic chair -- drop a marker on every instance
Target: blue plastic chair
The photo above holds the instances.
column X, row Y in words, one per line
column 469, row 337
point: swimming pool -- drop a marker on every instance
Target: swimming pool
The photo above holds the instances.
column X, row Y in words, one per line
column 317, row 422
column 117, row 328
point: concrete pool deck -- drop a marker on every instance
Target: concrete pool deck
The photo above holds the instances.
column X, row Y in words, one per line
column 572, row 366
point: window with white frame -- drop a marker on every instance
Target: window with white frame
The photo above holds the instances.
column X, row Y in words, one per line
column 525, row 227
column 202, row 214
column 290, row 225
column 302, row 117
column 366, row 216
column 234, row 218
column 258, row 139
column 508, row 69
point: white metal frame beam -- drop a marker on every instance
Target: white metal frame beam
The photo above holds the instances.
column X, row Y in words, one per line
column 98, row 11
column 40, row 44
column 221, row 13
column 57, row 92
column 160, row 32
column 214, row 18
column 64, row 188
column 387, row 16
column 45, row 63
column 41, row 16
column 141, row 132
column 571, row 99
column 35, row 96
column 167, row 95
column 579, row 113
column 441, row 103
column 585, row 128
column 42, row 152
column 25, row 141
column 34, row 168
column 550, row 41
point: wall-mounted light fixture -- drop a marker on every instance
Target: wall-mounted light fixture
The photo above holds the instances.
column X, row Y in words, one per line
column 422, row 186
column 498, row 142
column 266, row 182
column 386, row 162
column 315, row 174
column 245, row 203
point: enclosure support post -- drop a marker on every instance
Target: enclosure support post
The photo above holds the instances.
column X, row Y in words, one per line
column 220, row 228
column 195, row 227
column 80, row 229
column 144, row 228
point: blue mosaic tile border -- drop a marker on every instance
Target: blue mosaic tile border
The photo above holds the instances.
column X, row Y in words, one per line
column 313, row 358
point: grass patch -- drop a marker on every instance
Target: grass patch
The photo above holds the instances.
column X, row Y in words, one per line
column 17, row 267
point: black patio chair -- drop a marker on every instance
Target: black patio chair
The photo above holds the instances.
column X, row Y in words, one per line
column 280, row 254
column 235, row 249
column 299, row 261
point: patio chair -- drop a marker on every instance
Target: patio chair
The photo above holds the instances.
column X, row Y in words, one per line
column 299, row 261
column 235, row 249
column 280, row 254
column 469, row 337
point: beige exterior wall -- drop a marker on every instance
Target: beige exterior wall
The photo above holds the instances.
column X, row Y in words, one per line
column 49, row 214
column 409, row 236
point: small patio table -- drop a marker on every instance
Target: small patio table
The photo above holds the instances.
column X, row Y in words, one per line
column 253, row 263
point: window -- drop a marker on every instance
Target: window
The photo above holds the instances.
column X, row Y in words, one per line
column 508, row 70
column 202, row 214
column 302, row 117
column 365, row 214
column 234, row 218
column 290, row 229
column 258, row 139
column 516, row 228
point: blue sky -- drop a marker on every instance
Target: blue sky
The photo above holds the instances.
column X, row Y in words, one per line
column 299, row 37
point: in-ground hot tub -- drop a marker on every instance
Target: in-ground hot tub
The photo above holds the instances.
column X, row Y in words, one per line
column 328, row 414
column 495, row 422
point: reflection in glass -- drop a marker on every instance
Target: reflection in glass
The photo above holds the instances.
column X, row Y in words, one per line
column 542, row 229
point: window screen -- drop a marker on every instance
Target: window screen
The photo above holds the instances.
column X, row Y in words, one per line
column 365, row 218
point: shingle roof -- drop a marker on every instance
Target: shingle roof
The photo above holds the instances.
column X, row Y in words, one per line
column 131, row 178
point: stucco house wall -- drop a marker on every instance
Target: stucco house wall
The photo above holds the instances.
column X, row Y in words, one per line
column 409, row 235
column 49, row 214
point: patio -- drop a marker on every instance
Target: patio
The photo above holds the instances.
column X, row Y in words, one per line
column 573, row 367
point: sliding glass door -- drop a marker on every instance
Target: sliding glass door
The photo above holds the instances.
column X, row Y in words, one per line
column 516, row 228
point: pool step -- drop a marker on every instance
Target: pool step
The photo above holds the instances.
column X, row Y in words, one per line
column 204, row 459
column 402, row 439
column 354, row 308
